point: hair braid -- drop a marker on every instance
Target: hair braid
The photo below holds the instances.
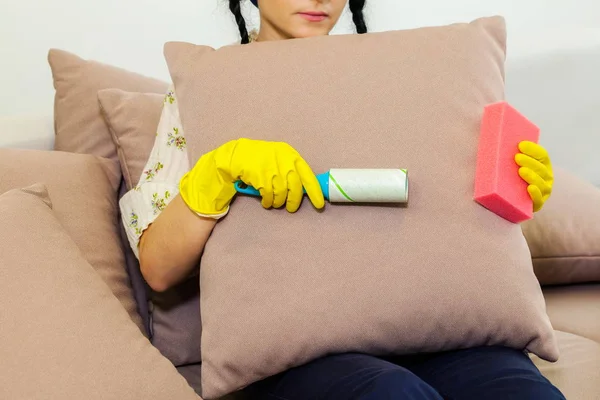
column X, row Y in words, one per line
column 236, row 10
column 357, row 6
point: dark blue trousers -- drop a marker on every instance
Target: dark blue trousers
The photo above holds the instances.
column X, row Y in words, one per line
column 487, row 373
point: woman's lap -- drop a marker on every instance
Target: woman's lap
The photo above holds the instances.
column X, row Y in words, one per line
column 343, row 377
column 483, row 372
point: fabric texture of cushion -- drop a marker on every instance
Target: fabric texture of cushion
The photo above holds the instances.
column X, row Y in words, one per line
column 84, row 193
column 575, row 309
column 176, row 324
column 280, row 289
column 138, row 283
column 577, row 373
column 78, row 122
column 132, row 118
column 564, row 237
column 193, row 372
column 175, row 314
column 80, row 127
column 64, row 334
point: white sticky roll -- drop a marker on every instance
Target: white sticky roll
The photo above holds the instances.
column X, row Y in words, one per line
column 368, row 185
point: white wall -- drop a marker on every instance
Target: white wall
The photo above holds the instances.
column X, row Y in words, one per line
column 130, row 33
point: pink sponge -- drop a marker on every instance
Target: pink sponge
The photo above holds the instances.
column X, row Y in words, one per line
column 498, row 186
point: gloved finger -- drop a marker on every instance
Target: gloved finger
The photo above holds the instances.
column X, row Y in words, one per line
column 536, row 196
column 310, row 183
column 280, row 191
column 267, row 197
column 526, row 161
column 534, row 150
column 295, row 192
column 534, row 179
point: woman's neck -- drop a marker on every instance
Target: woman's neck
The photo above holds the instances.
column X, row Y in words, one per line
column 268, row 32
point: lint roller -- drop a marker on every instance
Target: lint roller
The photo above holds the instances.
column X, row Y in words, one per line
column 348, row 185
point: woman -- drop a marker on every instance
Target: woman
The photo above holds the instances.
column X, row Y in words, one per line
column 170, row 215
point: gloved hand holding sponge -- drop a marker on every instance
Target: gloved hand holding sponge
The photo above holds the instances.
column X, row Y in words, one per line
column 536, row 170
column 282, row 176
column 514, row 176
column 275, row 169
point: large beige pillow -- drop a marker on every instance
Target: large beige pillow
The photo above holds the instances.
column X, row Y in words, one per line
column 84, row 192
column 64, row 335
column 175, row 321
column 78, row 123
column 564, row 237
column 279, row 289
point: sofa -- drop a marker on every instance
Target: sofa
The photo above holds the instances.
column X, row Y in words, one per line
column 574, row 314
column 569, row 135
column 573, row 304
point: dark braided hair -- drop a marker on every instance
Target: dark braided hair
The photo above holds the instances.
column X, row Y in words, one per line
column 356, row 7
column 236, row 10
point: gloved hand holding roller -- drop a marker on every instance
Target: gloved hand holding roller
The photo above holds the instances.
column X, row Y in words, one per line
column 276, row 169
column 276, row 172
column 351, row 185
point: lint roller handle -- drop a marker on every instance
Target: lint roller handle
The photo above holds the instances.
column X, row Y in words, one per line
column 323, row 179
column 346, row 185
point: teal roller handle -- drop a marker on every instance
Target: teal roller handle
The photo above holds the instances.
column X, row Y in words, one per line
column 323, row 179
column 242, row 188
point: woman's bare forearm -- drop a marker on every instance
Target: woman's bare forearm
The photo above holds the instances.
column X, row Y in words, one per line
column 171, row 247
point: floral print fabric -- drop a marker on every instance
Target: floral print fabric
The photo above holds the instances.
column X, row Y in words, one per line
column 159, row 182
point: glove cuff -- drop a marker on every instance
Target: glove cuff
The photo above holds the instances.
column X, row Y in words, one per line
column 197, row 200
column 212, row 216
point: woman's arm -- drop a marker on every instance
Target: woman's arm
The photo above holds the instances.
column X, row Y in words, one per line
column 165, row 235
column 170, row 248
column 168, row 230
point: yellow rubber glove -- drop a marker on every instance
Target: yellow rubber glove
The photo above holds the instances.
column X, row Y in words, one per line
column 275, row 169
column 536, row 170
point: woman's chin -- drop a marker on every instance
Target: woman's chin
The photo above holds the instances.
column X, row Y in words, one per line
column 310, row 31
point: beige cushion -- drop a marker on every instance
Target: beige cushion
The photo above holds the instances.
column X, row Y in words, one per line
column 575, row 309
column 78, row 122
column 193, row 372
column 132, row 119
column 64, row 335
column 278, row 290
column 577, row 373
column 84, row 192
column 175, row 323
column 564, row 237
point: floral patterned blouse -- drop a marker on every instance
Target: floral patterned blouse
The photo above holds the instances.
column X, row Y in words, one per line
column 159, row 182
